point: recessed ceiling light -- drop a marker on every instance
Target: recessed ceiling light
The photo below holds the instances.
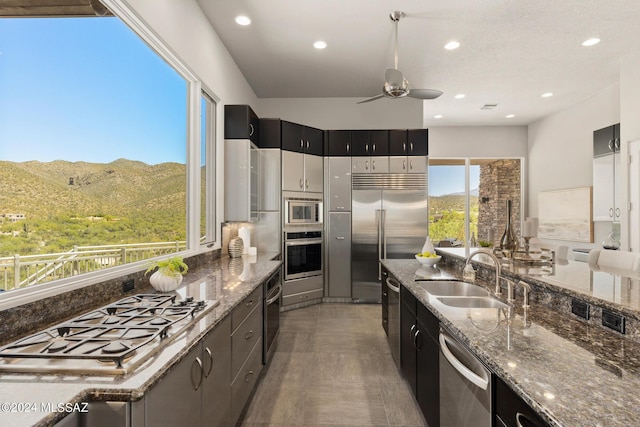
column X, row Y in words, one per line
column 591, row 42
column 320, row 44
column 243, row 20
column 460, row 96
column 547, row 94
column 438, row 116
column 510, row 116
column 452, row 45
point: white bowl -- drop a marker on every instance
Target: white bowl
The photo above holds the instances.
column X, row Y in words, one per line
column 428, row 261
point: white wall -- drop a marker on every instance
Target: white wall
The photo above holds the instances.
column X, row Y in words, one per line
column 344, row 113
column 478, row 141
column 561, row 149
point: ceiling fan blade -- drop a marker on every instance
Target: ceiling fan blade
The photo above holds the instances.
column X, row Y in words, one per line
column 372, row 98
column 393, row 77
column 425, row 93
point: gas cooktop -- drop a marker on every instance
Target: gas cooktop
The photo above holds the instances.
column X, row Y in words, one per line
column 113, row 339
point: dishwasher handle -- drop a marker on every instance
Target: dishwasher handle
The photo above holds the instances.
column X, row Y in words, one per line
column 393, row 285
column 479, row 381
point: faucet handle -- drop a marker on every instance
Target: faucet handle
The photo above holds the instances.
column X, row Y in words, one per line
column 526, row 288
column 510, row 288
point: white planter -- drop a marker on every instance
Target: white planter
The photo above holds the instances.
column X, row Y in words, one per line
column 163, row 283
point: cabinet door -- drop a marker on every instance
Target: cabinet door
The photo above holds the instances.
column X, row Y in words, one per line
column 339, row 191
column 408, row 329
column 270, row 133
column 416, row 164
column 603, row 141
column 417, row 142
column 339, row 143
column 339, row 258
column 361, row 143
column 428, row 369
column 293, row 138
column 361, row 164
column 511, row 410
column 269, row 182
column 177, row 399
column 292, row 171
column 397, row 142
column 314, row 141
column 379, row 142
column 379, row 164
column 216, row 388
column 398, row 164
column 313, row 173
column 603, row 185
column 240, row 122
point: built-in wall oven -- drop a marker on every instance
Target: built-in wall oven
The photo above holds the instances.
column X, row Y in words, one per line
column 302, row 253
column 272, row 293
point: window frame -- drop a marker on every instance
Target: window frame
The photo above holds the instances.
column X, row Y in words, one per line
column 195, row 89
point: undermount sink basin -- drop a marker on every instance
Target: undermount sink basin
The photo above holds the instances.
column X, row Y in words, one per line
column 453, row 288
column 472, row 302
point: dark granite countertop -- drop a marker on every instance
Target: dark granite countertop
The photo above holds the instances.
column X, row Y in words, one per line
column 571, row 373
column 227, row 280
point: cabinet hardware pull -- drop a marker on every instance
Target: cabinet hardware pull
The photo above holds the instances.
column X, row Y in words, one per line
column 373, row 165
column 347, row 147
column 411, row 164
column 301, row 184
column 404, row 147
column 210, row 368
column 306, row 183
column 248, row 335
column 301, row 143
column 610, row 145
column 404, row 165
column 519, row 416
column 366, row 148
column 617, row 212
column 411, row 147
column 304, row 296
column 415, row 340
column 247, row 377
column 366, row 165
column 611, row 212
column 199, row 383
column 251, row 129
column 249, row 303
column 373, row 148
column 340, row 238
column 307, row 145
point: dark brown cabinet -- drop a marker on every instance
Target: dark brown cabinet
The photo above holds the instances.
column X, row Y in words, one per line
column 412, row 142
column 338, row 143
column 240, row 122
column 419, row 330
column 302, row 139
column 511, row 410
column 269, row 133
column 370, row 142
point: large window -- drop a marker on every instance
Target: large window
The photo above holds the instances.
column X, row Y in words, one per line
column 467, row 200
column 93, row 150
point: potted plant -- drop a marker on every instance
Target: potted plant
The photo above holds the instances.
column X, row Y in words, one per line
column 168, row 275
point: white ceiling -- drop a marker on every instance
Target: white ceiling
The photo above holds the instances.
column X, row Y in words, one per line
column 511, row 51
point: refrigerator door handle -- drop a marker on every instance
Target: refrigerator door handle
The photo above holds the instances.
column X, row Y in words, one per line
column 384, row 233
column 379, row 224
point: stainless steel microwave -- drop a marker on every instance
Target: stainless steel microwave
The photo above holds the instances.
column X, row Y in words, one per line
column 303, row 211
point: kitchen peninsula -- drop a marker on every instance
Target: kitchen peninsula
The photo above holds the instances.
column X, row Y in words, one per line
column 572, row 373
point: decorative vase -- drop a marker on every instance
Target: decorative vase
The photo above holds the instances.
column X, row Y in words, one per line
column 508, row 242
column 236, row 247
column 163, row 283
column 428, row 246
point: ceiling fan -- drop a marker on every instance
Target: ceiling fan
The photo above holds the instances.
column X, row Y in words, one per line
column 395, row 85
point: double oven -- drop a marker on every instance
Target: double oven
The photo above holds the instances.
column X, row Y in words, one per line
column 303, row 255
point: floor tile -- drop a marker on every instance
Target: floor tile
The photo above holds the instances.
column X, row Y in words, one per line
column 347, row 404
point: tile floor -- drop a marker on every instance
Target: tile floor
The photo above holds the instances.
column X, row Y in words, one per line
column 332, row 368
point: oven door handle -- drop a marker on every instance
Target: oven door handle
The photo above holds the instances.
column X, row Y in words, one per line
column 278, row 292
column 302, row 242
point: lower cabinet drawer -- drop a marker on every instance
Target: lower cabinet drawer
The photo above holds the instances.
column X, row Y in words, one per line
column 302, row 297
column 245, row 381
column 244, row 338
column 245, row 307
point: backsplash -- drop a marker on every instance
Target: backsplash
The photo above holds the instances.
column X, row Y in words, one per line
column 19, row 321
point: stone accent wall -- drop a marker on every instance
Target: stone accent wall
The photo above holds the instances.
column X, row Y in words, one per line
column 499, row 182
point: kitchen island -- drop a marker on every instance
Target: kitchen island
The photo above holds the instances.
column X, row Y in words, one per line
column 567, row 371
column 43, row 399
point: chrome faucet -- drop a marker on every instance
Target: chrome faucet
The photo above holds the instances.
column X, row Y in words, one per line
column 496, row 261
column 526, row 288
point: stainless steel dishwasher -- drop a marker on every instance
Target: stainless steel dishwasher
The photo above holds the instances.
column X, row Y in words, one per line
column 394, row 318
column 465, row 386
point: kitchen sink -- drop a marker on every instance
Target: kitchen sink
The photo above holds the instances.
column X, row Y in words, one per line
column 453, row 289
column 472, row 302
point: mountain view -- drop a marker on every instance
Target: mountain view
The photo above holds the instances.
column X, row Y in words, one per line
column 79, row 203
column 446, row 216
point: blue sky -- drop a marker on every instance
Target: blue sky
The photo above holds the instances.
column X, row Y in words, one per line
column 87, row 89
column 450, row 179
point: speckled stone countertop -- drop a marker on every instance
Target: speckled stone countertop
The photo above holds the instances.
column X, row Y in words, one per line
column 227, row 280
column 571, row 373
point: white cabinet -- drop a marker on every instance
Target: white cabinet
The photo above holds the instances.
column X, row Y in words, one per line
column 241, row 174
column 407, row 164
column 339, row 184
column 373, row 164
column 607, row 186
column 302, row 172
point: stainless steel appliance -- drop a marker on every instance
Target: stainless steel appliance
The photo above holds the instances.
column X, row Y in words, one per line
column 393, row 313
column 272, row 294
column 110, row 340
column 302, row 253
column 389, row 220
column 303, row 211
column 465, row 386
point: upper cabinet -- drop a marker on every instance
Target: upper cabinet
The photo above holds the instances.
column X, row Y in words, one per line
column 338, row 143
column 606, row 174
column 370, row 151
column 408, row 150
column 302, row 139
column 240, row 122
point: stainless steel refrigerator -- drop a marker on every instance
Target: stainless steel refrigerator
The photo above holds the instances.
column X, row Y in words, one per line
column 389, row 220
